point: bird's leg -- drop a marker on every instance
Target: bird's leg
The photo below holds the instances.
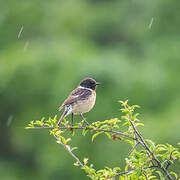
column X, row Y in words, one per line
column 84, row 119
column 72, row 119
column 71, row 128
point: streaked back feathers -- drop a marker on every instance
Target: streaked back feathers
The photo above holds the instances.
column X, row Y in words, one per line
column 85, row 89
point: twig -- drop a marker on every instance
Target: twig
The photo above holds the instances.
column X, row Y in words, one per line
column 136, row 136
column 150, row 167
column 70, row 151
column 152, row 154
column 81, row 164
column 141, row 140
column 132, row 171
column 122, row 173
column 134, row 147
column 81, row 127
column 145, row 176
column 169, row 161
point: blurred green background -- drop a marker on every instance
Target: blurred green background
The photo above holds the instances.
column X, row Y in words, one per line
column 46, row 47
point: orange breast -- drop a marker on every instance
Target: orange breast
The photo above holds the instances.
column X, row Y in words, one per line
column 94, row 92
column 85, row 105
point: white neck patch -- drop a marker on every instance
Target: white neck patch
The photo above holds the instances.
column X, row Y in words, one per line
column 85, row 88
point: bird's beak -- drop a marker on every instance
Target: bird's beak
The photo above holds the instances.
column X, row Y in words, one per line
column 97, row 83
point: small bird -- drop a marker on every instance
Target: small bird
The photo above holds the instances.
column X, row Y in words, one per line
column 80, row 100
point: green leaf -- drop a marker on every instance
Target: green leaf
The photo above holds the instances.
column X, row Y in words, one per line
column 130, row 142
column 85, row 160
column 122, row 102
column 95, row 135
column 108, row 135
column 105, row 126
column 55, row 118
column 138, row 172
column 135, row 106
column 152, row 177
column 90, row 126
column 121, row 178
column 28, row 127
column 67, row 140
column 139, row 124
column 74, row 148
column 161, row 149
column 126, row 101
column 160, row 175
column 63, row 139
column 76, row 163
column 84, row 131
column 42, row 119
column 109, row 169
column 151, row 143
column 137, row 155
column 170, row 147
column 39, row 122
column 127, row 123
column 73, row 132
column 174, row 174
column 124, row 110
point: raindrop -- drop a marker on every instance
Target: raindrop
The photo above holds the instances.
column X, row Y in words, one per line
column 26, row 46
column 9, row 121
column 151, row 22
column 20, row 32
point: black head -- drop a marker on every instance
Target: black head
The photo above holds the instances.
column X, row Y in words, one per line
column 89, row 83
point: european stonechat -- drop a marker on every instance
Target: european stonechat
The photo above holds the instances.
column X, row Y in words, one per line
column 80, row 100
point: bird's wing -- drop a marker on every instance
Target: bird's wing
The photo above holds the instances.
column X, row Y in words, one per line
column 76, row 95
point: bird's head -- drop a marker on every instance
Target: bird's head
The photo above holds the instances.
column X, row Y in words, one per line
column 89, row 83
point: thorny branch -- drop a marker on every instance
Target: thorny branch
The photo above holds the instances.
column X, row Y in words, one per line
column 169, row 161
column 135, row 135
column 152, row 154
column 70, row 151
column 80, row 163
column 134, row 147
column 132, row 171
column 82, row 127
column 122, row 173
column 141, row 140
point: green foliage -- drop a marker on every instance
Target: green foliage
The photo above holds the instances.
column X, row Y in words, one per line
column 65, row 41
column 146, row 160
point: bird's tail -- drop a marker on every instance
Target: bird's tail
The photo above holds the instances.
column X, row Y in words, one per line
column 61, row 107
column 61, row 118
column 67, row 111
